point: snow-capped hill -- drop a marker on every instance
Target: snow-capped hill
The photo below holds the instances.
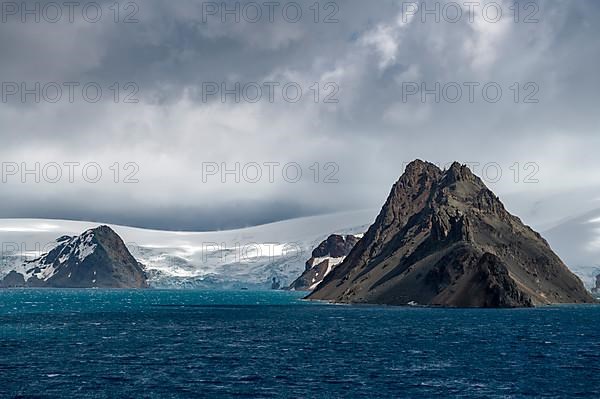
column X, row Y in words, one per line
column 71, row 251
column 325, row 257
column 249, row 257
column 96, row 258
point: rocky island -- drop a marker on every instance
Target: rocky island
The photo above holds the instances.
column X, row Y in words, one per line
column 98, row 258
column 444, row 239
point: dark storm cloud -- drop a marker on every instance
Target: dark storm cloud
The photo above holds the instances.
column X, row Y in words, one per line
column 370, row 54
column 221, row 216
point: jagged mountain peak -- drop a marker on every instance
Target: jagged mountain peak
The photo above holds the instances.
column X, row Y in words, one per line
column 444, row 238
column 458, row 172
column 417, row 173
column 418, row 166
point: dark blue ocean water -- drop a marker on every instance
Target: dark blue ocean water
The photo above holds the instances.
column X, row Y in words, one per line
column 170, row 344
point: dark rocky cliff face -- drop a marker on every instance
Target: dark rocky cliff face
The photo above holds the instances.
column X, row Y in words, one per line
column 443, row 238
column 324, row 258
column 96, row 259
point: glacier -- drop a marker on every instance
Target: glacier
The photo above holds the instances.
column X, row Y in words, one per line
column 253, row 257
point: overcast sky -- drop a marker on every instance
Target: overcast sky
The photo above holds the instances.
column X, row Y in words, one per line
column 361, row 117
